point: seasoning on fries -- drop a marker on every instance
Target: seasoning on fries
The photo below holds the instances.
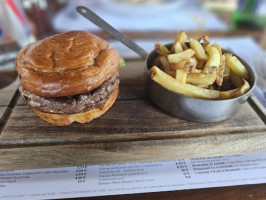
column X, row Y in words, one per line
column 199, row 70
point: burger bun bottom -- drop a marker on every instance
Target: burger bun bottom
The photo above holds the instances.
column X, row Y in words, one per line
column 66, row 119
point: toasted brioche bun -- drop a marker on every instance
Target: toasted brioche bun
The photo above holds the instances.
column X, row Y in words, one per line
column 66, row 64
column 62, row 120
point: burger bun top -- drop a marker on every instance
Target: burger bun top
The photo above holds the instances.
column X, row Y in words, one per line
column 66, row 64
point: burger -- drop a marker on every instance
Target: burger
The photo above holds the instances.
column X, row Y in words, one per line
column 67, row 77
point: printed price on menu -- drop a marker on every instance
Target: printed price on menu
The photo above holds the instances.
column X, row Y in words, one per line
column 182, row 166
column 81, row 173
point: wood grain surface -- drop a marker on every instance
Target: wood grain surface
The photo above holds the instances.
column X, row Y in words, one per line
column 134, row 129
column 8, row 82
column 7, row 94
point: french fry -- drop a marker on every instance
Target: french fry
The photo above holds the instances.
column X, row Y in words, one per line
column 177, row 47
column 235, row 65
column 226, row 73
column 161, row 49
column 204, row 86
column 206, row 47
column 182, row 88
column 193, row 60
column 181, row 38
column 206, row 40
column 189, row 65
column 200, row 79
column 213, row 61
column 220, row 72
column 229, row 94
column 218, row 47
column 181, row 75
column 199, row 51
column 180, row 65
column 175, row 58
column 165, row 64
column 220, row 68
column 244, row 89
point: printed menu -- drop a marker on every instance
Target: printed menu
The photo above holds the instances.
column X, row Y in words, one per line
column 129, row 178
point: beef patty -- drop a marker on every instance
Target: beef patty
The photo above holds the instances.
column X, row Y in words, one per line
column 73, row 104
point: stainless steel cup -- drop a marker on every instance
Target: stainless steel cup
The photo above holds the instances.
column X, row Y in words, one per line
column 193, row 109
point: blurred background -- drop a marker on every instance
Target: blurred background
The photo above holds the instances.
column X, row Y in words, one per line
column 239, row 25
column 41, row 18
column 23, row 20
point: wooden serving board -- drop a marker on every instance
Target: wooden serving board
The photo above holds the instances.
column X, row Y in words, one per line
column 133, row 130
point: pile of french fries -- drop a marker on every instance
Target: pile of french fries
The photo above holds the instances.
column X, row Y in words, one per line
column 199, row 70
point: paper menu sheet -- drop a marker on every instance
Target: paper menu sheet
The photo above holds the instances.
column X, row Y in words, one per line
column 100, row 180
